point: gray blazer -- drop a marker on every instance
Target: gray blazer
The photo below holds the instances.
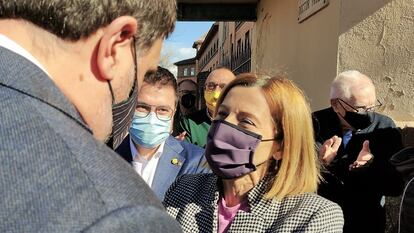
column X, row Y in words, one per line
column 193, row 201
column 54, row 176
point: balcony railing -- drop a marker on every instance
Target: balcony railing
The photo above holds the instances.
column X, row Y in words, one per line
column 241, row 63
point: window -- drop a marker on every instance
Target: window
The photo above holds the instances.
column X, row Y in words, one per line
column 192, row 72
column 238, row 48
column 185, row 72
column 247, row 39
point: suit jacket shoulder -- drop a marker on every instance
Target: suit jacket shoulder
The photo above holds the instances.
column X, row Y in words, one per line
column 55, row 176
column 178, row 158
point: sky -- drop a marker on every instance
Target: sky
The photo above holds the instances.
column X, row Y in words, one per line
column 179, row 45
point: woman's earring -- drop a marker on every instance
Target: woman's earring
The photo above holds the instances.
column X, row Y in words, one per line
column 276, row 167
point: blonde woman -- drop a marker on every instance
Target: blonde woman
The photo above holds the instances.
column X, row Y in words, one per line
column 260, row 148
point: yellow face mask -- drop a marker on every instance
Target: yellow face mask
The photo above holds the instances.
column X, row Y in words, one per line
column 211, row 98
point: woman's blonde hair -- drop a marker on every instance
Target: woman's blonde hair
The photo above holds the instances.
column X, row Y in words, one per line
column 299, row 170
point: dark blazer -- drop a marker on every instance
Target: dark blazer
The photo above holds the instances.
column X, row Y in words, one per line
column 191, row 161
column 193, row 201
column 54, row 175
column 359, row 192
column 404, row 163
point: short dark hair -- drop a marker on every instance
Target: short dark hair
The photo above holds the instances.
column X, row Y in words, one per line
column 162, row 77
column 73, row 20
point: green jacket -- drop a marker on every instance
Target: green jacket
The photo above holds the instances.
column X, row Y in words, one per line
column 196, row 125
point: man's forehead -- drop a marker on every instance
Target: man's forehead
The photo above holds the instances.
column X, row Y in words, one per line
column 220, row 76
column 163, row 94
column 363, row 97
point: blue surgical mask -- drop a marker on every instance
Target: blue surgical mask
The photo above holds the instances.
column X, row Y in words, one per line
column 149, row 131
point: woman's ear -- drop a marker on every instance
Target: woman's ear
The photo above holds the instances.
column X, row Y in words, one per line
column 278, row 150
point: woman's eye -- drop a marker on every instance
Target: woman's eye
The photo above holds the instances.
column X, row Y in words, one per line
column 247, row 121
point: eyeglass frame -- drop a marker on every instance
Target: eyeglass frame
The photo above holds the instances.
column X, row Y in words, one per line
column 360, row 109
column 152, row 110
column 220, row 85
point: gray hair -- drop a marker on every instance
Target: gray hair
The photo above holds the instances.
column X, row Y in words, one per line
column 76, row 19
column 343, row 83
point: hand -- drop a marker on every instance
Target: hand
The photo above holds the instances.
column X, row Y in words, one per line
column 329, row 149
column 363, row 157
column 181, row 136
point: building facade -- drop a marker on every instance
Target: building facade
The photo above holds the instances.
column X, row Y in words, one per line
column 207, row 52
column 374, row 37
column 186, row 69
column 226, row 44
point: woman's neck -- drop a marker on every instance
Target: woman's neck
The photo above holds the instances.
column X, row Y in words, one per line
column 235, row 190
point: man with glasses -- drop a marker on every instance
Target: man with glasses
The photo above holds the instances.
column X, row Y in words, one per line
column 154, row 154
column 355, row 144
column 195, row 126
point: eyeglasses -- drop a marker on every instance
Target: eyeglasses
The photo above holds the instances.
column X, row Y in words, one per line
column 163, row 113
column 361, row 109
column 210, row 86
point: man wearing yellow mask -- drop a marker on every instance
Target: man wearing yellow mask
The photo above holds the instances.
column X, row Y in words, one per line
column 195, row 126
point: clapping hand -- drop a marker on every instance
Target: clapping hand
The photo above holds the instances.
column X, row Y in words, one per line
column 329, row 149
column 364, row 157
column 181, row 136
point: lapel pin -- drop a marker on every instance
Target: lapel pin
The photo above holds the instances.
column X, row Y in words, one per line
column 175, row 161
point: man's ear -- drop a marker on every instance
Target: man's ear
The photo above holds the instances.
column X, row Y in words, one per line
column 117, row 38
column 334, row 104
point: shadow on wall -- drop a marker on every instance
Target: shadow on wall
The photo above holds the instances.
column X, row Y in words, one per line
column 356, row 14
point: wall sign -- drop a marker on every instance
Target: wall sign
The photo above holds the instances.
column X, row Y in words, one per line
column 307, row 8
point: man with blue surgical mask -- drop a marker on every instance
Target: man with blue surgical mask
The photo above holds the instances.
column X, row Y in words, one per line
column 156, row 155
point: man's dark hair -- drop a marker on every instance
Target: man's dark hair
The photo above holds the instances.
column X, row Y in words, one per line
column 162, row 77
column 73, row 20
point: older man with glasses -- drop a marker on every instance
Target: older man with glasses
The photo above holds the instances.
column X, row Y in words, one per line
column 154, row 154
column 355, row 145
column 194, row 127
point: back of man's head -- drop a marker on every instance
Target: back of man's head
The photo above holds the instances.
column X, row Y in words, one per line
column 73, row 20
column 347, row 82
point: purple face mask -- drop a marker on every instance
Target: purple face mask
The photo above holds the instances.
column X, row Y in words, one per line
column 230, row 149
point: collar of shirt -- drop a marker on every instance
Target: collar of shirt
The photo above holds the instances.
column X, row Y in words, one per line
column 136, row 155
column 9, row 44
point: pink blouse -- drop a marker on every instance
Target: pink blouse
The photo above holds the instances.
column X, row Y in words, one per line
column 226, row 214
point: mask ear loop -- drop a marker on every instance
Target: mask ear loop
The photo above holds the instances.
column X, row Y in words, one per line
column 134, row 54
column 112, row 92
